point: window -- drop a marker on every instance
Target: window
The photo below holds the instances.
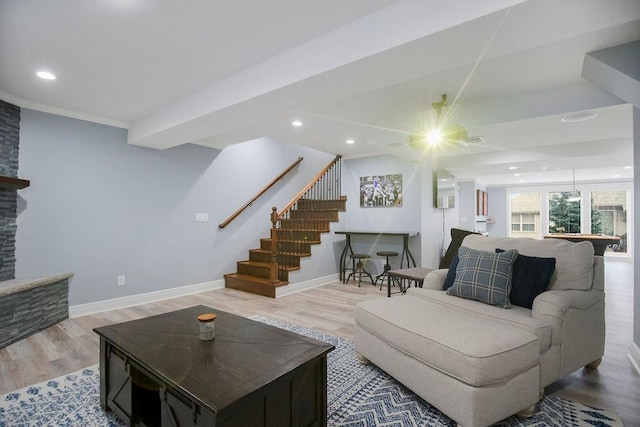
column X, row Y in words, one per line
column 525, row 215
column 609, row 216
column 564, row 212
column 523, row 222
column 593, row 209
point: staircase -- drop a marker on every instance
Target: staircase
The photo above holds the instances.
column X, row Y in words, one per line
column 294, row 230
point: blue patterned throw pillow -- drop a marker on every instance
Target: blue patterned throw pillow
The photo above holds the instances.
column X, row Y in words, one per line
column 451, row 274
column 484, row 276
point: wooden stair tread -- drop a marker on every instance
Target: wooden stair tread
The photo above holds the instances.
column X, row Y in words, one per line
column 254, row 285
column 313, row 242
column 266, row 265
column 254, row 279
column 266, row 251
column 256, row 263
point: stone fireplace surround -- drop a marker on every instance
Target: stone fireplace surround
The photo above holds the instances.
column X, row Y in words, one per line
column 26, row 305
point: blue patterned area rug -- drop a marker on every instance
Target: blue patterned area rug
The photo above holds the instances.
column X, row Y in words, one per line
column 357, row 396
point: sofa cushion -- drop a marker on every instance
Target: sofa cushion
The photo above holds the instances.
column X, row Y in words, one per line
column 574, row 261
column 451, row 273
column 518, row 317
column 474, row 349
column 531, row 276
column 484, row 276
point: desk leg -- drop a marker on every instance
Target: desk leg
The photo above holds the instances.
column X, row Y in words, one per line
column 343, row 257
column 406, row 253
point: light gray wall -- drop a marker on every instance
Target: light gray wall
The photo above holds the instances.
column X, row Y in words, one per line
column 636, row 203
column 100, row 208
column 394, row 219
column 467, row 203
column 498, row 209
column 435, row 234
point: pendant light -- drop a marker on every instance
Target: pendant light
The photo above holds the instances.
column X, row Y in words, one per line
column 575, row 195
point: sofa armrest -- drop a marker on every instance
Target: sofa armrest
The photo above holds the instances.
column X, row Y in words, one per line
column 552, row 306
column 557, row 303
column 435, row 279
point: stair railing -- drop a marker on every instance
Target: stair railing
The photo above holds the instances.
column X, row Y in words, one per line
column 260, row 193
column 320, row 193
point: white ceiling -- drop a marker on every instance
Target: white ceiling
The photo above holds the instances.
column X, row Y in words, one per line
column 218, row 73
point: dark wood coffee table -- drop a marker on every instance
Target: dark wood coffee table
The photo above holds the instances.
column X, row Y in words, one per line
column 156, row 372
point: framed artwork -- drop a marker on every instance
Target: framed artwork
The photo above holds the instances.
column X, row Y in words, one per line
column 485, row 203
column 482, row 203
column 381, row 191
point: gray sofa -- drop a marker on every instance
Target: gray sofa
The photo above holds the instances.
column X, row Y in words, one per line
column 481, row 363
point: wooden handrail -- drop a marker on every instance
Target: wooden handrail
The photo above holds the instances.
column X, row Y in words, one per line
column 260, row 193
column 276, row 218
column 309, row 185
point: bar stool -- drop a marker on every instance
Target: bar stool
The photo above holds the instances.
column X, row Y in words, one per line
column 359, row 270
column 387, row 266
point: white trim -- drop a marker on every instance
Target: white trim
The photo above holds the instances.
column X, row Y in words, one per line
column 131, row 300
column 23, row 103
column 634, row 356
column 303, row 286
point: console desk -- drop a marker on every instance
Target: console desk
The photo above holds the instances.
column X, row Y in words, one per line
column 404, row 256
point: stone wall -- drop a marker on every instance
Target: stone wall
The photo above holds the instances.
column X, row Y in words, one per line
column 28, row 306
column 9, row 145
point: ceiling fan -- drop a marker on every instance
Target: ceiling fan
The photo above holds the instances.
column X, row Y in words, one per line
column 441, row 132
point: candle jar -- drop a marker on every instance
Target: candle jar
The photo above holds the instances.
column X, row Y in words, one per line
column 207, row 323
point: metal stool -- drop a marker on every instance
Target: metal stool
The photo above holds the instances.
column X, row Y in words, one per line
column 387, row 266
column 358, row 270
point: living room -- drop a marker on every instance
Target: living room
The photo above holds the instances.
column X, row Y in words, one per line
column 114, row 191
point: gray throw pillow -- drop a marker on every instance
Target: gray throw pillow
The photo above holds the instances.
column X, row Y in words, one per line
column 484, row 276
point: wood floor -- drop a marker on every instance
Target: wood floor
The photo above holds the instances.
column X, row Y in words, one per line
column 71, row 345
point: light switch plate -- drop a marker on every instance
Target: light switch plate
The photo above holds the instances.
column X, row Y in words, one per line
column 202, row 217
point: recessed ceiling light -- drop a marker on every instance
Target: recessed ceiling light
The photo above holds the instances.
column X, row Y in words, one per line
column 578, row 117
column 45, row 75
column 296, row 123
column 512, row 168
column 516, row 174
column 616, row 176
column 522, row 180
column 350, row 141
column 628, row 167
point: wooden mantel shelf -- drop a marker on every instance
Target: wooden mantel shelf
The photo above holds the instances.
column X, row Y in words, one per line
column 13, row 183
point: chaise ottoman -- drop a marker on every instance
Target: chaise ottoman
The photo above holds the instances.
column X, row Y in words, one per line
column 475, row 369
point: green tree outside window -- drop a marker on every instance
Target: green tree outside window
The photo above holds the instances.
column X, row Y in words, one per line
column 564, row 216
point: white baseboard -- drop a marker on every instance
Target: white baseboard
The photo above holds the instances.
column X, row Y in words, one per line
column 303, row 286
column 131, row 300
column 634, row 356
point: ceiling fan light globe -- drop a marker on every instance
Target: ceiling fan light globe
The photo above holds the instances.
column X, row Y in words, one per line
column 434, row 137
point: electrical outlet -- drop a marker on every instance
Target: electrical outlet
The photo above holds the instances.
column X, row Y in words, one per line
column 202, row 217
column 121, row 281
